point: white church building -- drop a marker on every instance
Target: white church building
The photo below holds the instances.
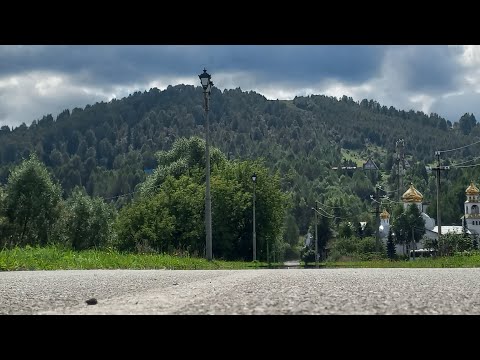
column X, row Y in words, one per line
column 470, row 218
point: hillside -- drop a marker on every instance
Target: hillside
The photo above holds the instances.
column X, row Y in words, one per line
column 106, row 147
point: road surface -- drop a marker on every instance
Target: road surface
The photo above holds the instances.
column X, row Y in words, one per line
column 266, row 291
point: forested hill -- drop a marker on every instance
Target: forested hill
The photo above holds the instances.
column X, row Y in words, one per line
column 107, row 147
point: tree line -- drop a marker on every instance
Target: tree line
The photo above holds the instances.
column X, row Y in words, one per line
column 109, row 148
column 165, row 214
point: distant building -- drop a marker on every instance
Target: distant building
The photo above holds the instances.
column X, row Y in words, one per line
column 308, row 239
column 370, row 165
column 411, row 196
column 470, row 218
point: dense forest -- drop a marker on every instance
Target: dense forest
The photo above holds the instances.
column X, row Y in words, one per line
column 109, row 149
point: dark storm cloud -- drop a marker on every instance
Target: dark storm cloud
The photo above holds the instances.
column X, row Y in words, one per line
column 454, row 106
column 426, row 68
column 104, row 65
column 37, row 80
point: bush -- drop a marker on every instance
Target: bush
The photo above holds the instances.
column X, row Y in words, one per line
column 308, row 255
column 87, row 222
column 30, row 204
column 356, row 249
column 451, row 244
column 291, row 252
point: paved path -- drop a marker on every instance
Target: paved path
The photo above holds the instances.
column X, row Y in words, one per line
column 269, row 291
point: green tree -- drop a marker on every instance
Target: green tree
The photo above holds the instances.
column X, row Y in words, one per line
column 88, row 222
column 467, row 122
column 345, row 229
column 181, row 175
column 292, row 233
column 31, row 203
column 185, row 155
column 451, row 243
column 408, row 222
column 228, row 221
column 4, row 224
column 145, row 224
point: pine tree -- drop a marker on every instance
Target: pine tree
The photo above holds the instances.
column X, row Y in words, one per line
column 391, row 253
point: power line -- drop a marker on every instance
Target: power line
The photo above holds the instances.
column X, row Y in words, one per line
column 324, row 213
column 461, row 147
column 387, row 191
column 333, row 215
column 465, row 166
column 392, row 201
column 335, row 207
column 466, row 161
column 133, row 192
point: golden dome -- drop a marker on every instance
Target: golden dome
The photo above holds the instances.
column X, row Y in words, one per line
column 384, row 214
column 472, row 189
column 412, row 195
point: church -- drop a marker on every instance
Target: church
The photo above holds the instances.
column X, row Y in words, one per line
column 470, row 218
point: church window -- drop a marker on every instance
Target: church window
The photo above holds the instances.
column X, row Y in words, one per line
column 474, row 209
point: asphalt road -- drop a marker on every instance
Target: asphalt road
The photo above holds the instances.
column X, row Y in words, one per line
column 283, row 291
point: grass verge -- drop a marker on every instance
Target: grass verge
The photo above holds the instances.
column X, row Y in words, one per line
column 456, row 261
column 56, row 258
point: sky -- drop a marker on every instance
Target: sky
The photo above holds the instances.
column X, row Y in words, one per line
column 38, row 80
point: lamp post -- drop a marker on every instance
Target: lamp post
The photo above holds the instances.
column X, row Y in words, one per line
column 205, row 80
column 254, row 179
column 316, row 235
column 414, row 244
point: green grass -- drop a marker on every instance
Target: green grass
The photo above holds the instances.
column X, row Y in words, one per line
column 375, row 148
column 456, row 261
column 353, row 156
column 56, row 258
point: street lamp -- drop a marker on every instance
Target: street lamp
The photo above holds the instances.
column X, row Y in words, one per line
column 205, row 80
column 254, row 179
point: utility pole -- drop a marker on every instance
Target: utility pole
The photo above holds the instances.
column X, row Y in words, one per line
column 438, row 169
column 400, row 148
column 254, row 237
column 413, row 243
column 377, row 218
column 316, row 235
column 268, row 254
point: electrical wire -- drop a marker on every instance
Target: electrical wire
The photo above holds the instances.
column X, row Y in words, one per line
column 464, row 162
column 334, row 207
column 133, row 192
column 324, row 214
column 461, row 147
column 392, row 201
column 465, row 166
column 332, row 214
column 387, row 191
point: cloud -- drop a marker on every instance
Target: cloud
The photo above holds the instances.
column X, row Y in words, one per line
column 29, row 96
column 454, row 106
column 428, row 68
column 37, row 80
column 134, row 63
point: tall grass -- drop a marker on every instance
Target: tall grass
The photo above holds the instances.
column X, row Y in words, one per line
column 57, row 258
column 466, row 260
